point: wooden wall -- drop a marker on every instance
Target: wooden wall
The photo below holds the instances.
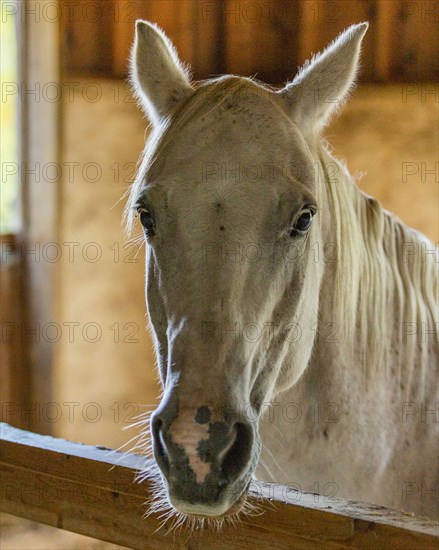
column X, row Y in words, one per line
column 13, row 388
column 270, row 38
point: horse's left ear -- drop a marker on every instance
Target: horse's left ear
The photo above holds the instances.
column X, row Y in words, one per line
column 323, row 84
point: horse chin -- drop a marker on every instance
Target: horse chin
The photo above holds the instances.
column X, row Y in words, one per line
column 200, row 511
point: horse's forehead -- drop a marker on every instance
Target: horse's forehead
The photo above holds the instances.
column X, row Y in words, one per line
column 251, row 131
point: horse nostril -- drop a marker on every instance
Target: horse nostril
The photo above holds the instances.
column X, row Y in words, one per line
column 238, row 455
column 159, row 445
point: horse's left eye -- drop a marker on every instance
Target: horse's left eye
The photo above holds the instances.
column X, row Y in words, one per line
column 147, row 221
column 303, row 223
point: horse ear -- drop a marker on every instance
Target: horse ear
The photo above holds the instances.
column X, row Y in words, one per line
column 323, row 84
column 159, row 79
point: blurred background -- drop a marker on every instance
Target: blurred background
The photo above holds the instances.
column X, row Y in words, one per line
column 77, row 360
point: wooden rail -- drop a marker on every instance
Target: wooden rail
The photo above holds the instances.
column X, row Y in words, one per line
column 90, row 490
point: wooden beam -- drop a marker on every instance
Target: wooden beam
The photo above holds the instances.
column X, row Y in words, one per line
column 13, row 387
column 91, row 490
column 40, row 140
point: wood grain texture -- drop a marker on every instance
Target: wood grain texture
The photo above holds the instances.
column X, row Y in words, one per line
column 96, row 36
column 262, row 38
column 90, row 490
column 13, row 387
column 40, row 195
column 267, row 38
column 87, row 28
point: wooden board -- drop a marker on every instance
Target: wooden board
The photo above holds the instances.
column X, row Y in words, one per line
column 261, row 38
column 40, row 194
column 267, row 38
column 13, row 387
column 96, row 36
column 91, row 490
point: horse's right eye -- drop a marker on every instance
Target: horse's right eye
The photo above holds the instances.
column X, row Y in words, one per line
column 147, row 221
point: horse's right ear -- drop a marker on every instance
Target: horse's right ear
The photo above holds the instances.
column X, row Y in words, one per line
column 159, row 79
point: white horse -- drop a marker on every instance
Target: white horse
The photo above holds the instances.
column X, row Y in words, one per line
column 294, row 319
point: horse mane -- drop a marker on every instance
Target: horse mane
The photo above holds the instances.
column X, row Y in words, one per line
column 386, row 281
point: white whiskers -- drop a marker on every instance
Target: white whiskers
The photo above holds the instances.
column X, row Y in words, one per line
column 158, row 504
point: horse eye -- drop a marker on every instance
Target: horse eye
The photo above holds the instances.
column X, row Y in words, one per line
column 147, row 221
column 303, row 223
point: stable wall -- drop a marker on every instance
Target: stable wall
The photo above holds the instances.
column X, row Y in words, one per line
column 104, row 370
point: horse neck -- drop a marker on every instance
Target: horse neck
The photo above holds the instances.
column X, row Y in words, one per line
column 368, row 294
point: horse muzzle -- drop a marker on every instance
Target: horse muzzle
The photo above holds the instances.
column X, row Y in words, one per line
column 206, row 456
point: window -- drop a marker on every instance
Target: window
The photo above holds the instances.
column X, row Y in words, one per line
column 9, row 146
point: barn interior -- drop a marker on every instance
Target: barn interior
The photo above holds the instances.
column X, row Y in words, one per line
column 77, row 358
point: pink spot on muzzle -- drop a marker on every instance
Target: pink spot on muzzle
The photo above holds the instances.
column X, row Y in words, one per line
column 187, row 433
